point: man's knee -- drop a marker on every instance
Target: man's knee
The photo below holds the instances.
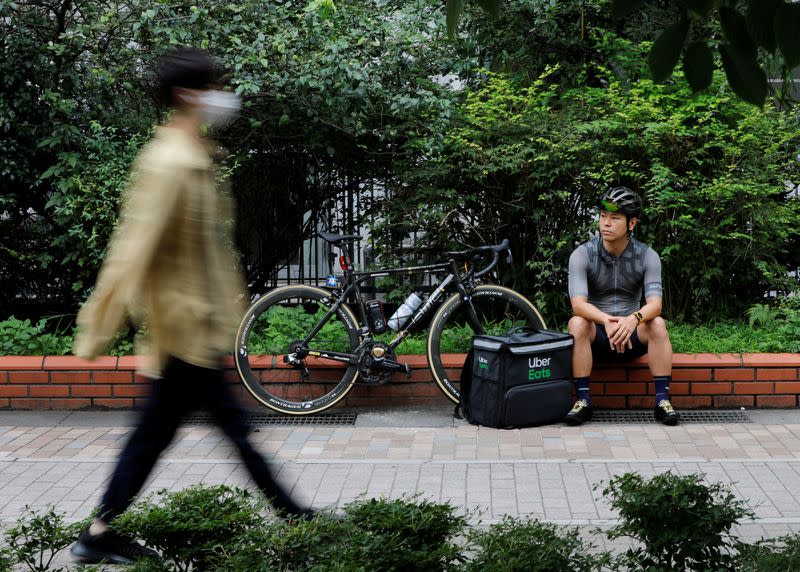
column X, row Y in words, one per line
column 657, row 329
column 580, row 328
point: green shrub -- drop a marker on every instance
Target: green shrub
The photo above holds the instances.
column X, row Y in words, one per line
column 524, row 545
column 682, row 522
column 187, row 526
column 775, row 555
column 36, row 538
column 279, row 546
column 402, row 534
column 21, row 337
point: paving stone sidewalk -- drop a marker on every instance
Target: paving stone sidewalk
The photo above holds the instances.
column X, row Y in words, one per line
column 64, row 460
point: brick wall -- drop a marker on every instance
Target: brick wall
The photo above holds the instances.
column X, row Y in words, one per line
column 699, row 381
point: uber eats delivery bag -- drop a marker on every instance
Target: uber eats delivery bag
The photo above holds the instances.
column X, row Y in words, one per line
column 518, row 379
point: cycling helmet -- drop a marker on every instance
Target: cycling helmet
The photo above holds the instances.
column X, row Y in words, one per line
column 621, row 199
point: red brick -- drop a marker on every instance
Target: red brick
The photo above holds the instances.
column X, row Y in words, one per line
column 421, row 361
column 771, row 360
column 626, row 389
column 728, row 401
column 231, row 376
column 640, row 402
column 771, row 374
column 448, row 360
column 13, row 391
column 141, row 379
column 699, row 374
column 248, row 401
column 128, row 363
column 754, row 388
column 112, row 377
column 131, row 390
column 776, row 401
column 41, row 404
column 418, row 375
column 691, row 401
column 113, row 403
column 70, row 403
column 49, row 390
column 4, row 403
column 706, row 360
column 21, row 362
column 28, row 377
column 713, row 388
column 675, row 388
column 76, row 363
column 70, row 377
column 597, row 387
column 616, row 374
column 734, row 374
column 640, row 374
column 787, row 387
column 91, row 391
column 608, row 402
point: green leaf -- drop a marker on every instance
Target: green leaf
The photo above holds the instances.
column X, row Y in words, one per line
column 454, row 8
column 666, row 50
column 622, row 8
column 490, row 6
column 735, row 28
column 745, row 76
column 700, row 7
column 787, row 25
column 698, row 65
column 761, row 22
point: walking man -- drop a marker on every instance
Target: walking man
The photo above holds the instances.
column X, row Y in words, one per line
column 608, row 276
column 169, row 266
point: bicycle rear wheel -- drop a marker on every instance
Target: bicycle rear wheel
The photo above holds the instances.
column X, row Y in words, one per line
column 272, row 329
column 498, row 309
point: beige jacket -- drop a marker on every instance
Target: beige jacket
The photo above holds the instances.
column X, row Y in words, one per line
column 170, row 262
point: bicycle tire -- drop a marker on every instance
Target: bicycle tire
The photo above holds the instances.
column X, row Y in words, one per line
column 484, row 297
column 279, row 318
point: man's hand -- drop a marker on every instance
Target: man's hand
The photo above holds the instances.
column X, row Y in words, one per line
column 620, row 335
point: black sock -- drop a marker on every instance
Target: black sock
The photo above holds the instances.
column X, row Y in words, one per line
column 662, row 387
column 582, row 388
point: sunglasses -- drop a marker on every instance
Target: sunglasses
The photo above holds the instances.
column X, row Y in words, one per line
column 607, row 205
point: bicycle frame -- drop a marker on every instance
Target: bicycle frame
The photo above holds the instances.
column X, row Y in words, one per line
column 353, row 280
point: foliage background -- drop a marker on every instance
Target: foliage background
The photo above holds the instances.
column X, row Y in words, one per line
column 508, row 130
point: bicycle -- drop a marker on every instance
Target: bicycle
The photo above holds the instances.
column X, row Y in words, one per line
column 324, row 349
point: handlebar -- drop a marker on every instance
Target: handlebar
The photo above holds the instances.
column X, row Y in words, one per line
column 471, row 254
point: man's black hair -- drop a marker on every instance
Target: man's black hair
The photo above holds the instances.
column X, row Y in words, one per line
column 184, row 67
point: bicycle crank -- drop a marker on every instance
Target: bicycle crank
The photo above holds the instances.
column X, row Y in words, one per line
column 377, row 363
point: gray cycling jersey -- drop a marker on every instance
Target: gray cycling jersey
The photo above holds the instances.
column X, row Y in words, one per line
column 615, row 284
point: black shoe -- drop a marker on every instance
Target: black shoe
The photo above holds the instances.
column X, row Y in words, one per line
column 665, row 413
column 109, row 547
column 580, row 413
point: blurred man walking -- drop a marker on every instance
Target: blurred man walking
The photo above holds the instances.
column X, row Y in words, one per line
column 169, row 267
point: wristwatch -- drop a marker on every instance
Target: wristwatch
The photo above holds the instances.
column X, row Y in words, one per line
column 638, row 316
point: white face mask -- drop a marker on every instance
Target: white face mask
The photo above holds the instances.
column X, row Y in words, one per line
column 217, row 108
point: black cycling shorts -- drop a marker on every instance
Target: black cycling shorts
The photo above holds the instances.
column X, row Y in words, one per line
column 602, row 352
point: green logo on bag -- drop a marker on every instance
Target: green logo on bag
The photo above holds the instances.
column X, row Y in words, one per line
column 483, row 363
column 539, row 368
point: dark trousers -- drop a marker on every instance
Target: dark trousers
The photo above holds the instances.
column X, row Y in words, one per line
column 183, row 388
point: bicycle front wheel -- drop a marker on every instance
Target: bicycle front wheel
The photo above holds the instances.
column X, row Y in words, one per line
column 498, row 309
column 273, row 328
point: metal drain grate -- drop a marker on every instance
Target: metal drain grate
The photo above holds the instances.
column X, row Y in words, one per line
column 275, row 419
column 687, row 416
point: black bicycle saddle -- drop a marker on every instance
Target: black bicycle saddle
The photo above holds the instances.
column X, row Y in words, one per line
column 338, row 238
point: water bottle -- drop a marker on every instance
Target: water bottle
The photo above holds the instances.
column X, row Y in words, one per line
column 404, row 312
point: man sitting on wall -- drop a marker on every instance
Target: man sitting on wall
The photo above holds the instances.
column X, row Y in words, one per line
column 607, row 278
